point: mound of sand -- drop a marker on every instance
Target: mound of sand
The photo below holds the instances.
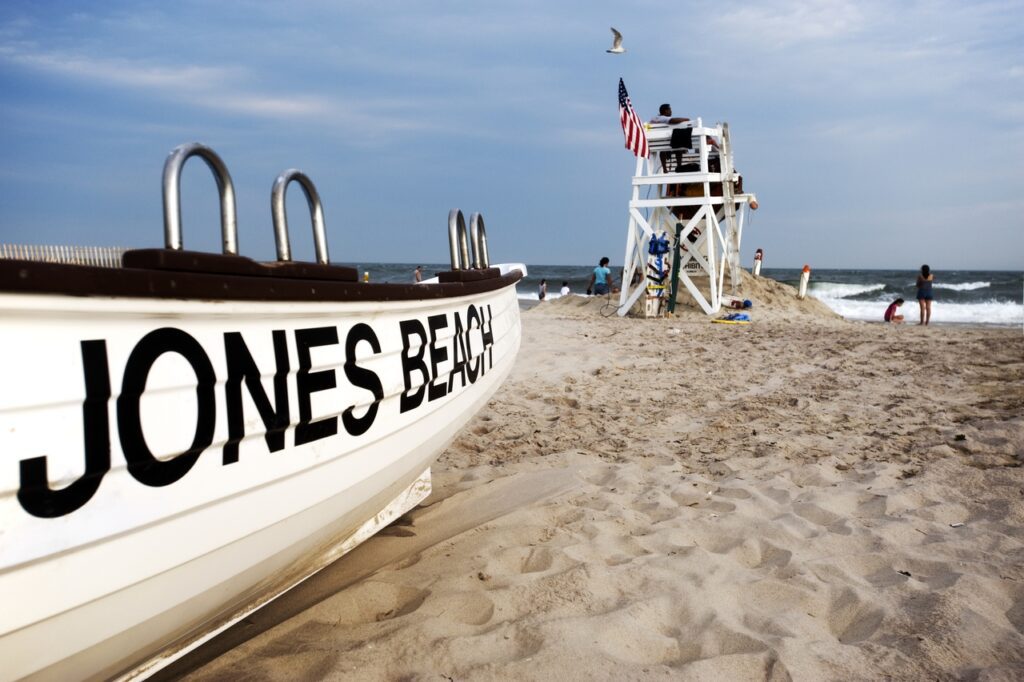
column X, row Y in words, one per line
column 772, row 301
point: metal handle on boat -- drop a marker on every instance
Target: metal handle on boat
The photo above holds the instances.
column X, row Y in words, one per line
column 316, row 215
column 478, row 237
column 458, row 244
column 172, row 195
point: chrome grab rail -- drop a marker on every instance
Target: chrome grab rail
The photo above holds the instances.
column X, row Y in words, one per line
column 172, row 195
column 316, row 214
column 458, row 244
column 478, row 237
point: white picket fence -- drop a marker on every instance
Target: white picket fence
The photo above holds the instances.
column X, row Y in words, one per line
column 99, row 256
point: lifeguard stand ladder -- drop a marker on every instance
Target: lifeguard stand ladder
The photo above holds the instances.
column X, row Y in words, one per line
column 687, row 194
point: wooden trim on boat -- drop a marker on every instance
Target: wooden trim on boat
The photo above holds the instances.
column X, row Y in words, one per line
column 164, row 273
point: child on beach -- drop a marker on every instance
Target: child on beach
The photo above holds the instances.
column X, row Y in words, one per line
column 565, row 289
column 890, row 312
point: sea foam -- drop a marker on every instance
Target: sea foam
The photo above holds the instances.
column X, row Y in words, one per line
column 982, row 312
column 964, row 286
column 842, row 290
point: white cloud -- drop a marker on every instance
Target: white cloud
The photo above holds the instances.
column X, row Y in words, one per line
column 116, row 72
column 790, row 22
column 213, row 89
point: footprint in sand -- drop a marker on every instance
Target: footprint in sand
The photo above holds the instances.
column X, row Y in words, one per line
column 872, row 506
column 372, row 601
column 537, row 559
column 711, row 540
column 777, row 495
column 470, row 608
column 851, row 619
column 602, row 479
column 734, row 493
column 822, row 517
column 519, row 560
column 498, row 645
column 1016, row 615
column 591, row 502
column 761, row 554
column 658, row 513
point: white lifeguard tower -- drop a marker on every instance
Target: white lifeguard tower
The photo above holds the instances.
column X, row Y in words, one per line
column 696, row 217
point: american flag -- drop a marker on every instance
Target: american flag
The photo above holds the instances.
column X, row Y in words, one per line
column 632, row 128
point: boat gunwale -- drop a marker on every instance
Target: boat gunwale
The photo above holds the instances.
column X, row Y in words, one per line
column 33, row 277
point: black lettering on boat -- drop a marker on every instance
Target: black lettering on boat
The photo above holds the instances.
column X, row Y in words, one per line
column 142, row 464
column 472, row 369
column 362, row 378
column 307, row 383
column 459, row 357
column 240, row 365
column 437, row 356
column 488, row 337
column 34, row 492
column 412, row 363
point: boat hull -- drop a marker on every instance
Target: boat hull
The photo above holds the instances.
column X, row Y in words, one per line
column 232, row 448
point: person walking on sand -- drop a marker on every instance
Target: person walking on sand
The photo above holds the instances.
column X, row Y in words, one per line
column 417, row 274
column 542, row 290
column 601, row 278
column 924, row 293
column 890, row 312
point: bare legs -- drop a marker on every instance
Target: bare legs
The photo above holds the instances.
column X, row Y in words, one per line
column 926, row 310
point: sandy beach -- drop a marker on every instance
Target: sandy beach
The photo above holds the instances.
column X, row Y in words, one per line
column 802, row 498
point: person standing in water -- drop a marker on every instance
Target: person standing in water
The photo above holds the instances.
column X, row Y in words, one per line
column 542, row 290
column 417, row 274
column 924, row 293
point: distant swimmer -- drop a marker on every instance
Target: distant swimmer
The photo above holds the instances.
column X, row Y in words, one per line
column 417, row 274
column 617, row 47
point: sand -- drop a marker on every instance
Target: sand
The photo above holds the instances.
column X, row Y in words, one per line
column 802, row 498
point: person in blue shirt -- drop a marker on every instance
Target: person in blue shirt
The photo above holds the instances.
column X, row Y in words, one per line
column 600, row 279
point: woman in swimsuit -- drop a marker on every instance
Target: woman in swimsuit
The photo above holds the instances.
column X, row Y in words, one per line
column 924, row 293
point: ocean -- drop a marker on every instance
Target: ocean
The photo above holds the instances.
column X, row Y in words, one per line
column 980, row 297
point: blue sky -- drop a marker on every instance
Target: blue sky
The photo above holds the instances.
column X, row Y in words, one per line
column 875, row 134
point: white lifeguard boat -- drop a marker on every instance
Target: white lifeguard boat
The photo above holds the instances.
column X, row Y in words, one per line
column 186, row 435
column 697, row 213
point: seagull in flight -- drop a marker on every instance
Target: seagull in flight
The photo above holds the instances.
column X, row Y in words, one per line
column 617, row 47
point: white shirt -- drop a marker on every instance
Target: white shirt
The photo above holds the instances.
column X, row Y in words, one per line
column 564, row 291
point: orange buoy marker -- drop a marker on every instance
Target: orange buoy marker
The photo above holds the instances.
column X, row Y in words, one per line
column 758, row 255
column 805, row 277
